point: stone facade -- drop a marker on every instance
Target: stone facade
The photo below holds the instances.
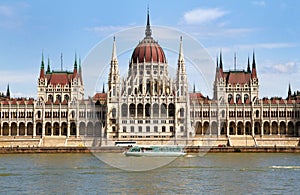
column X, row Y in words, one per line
column 150, row 105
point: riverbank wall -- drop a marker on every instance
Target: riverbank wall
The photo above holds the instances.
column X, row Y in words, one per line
column 114, row 149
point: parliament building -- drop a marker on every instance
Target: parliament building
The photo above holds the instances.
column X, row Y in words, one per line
column 148, row 105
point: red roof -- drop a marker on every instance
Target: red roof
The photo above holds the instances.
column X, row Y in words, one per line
column 148, row 50
column 237, row 77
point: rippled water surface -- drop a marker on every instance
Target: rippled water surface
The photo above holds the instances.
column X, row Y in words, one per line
column 223, row 173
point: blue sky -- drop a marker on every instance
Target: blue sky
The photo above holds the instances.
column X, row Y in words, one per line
column 271, row 28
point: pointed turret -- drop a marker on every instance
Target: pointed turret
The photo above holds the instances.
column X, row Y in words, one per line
column 289, row 91
column 221, row 65
column 148, row 32
column 181, row 56
column 8, row 91
column 113, row 78
column 248, row 66
column 114, row 51
column 253, row 75
column 194, row 89
column 75, row 66
column 42, row 70
column 103, row 89
column 181, row 72
column 48, row 66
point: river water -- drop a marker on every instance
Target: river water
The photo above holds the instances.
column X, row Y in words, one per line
column 220, row 173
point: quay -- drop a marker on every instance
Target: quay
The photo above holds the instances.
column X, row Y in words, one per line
column 114, row 149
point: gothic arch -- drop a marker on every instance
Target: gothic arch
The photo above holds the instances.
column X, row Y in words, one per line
column 248, row 128
column 274, row 128
column 22, row 129
column 29, row 128
column 198, row 128
column 163, row 109
column 140, row 110
column 290, row 128
column 132, row 110
column 266, row 128
column 232, row 128
column 124, row 110
column 214, row 128
column 56, row 128
column 155, row 110
column 171, row 110
column 73, row 128
column 64, row 128
column 90, row 129
column 5, row 129
column 240, row 128
column 39, row 128
column 206, row 128
column 48, row 128
column 82, row 129
column 147, row 110
column 282, row 126
column 257, row 128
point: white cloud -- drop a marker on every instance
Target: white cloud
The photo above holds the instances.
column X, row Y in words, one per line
column 105, row 29
column 200, row 15
column 6, row 11
column 259, row 3
column 12, row 16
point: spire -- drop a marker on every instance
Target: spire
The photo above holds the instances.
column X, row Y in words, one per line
column 194, row 89
column 221, row 63
column 253, row 75
column 48, row 66
column 234, row 60
column 148, row 32
column 8, row 91
column 253, row 61
column 42, row 71
column 114, row 51
column 289, row 91
column 42, row 63
column 75, row 63
column 103, row 89
column 217, row 62
column 181, row 57
column 248, row 65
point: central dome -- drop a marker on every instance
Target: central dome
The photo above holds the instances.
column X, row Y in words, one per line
column 148, row 50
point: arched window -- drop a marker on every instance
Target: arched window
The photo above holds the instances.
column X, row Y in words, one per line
column 246, row 97
column 171, row 110
column 132, row 110
column 58, row 98
column 114, row 112
column 229, row 98
column 50, row 98
column 155, row 110
column 181, row 112
column 163, row 109
column 257, row 113
column 124, row 110
column 39, row 114
column 66, row 97
column 140, row 110
column 148, row 110
column 237, row 98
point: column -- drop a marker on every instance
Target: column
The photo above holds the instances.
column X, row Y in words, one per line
column 34, row 130
column 68, row 129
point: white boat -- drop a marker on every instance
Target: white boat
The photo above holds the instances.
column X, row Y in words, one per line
column 156, row 151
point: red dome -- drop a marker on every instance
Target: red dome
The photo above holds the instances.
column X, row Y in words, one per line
column 148, row 51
